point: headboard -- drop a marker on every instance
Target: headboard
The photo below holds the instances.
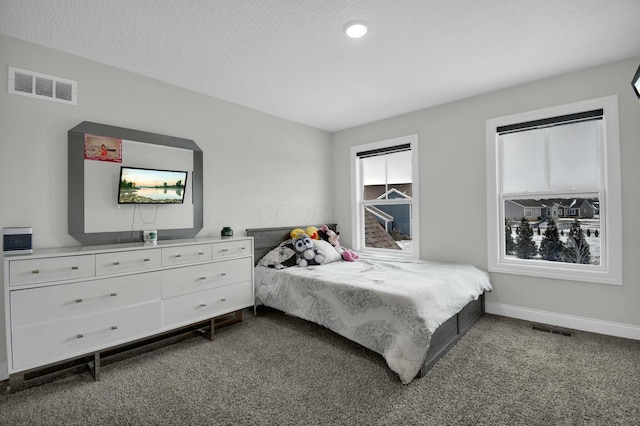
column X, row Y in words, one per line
column 264, row 239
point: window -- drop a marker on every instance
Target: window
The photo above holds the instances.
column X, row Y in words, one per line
column 554, row 196
column 384, row 183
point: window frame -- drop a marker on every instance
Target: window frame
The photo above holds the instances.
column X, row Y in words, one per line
column 610, row 269
column 357, row 236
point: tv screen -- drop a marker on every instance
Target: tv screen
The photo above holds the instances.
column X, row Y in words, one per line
column 151, row 186
column 635, row 83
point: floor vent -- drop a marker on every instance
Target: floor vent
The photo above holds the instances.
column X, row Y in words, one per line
column 42, row 86
column 547, row 329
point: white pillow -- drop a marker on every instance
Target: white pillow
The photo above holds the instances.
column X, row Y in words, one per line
column 328, row 251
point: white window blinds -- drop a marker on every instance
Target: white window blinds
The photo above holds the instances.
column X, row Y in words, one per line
column 552, row 157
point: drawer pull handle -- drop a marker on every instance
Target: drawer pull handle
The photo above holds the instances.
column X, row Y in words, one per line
column 243, row 248
column 224, row 274
column 224, row 250
column 37, row 271
column 81, row 335
column 203, row 305
column 110, row 295
column 116, row 263
column 203, row 278
column 200, row 253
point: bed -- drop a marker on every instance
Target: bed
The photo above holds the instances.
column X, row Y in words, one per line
column 409, row 311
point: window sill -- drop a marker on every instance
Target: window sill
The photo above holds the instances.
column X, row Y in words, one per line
column 561, row 271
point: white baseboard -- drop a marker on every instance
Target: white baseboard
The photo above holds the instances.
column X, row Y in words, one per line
column 568, row 321
column 4, row 371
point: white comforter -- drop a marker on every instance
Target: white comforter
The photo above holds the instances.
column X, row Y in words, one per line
column 387, row 305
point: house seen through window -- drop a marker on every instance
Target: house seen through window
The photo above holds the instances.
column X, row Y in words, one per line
column 384, row 182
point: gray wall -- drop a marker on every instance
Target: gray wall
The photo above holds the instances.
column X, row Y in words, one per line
column 251, row 159
column 453, row 188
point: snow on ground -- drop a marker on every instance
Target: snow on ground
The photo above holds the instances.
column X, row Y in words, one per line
column 591, row 224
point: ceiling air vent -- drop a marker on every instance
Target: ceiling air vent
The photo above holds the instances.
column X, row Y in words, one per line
column 42, row 86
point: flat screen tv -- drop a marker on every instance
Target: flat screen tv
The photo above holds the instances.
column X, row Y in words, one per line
column 151, row 186
column 635, row 83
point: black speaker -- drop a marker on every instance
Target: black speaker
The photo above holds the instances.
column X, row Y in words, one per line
column 17, row 240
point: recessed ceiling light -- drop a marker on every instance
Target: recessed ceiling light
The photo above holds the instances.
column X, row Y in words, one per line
column 356, row 29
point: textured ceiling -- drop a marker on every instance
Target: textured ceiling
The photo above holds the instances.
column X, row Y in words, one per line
column 291, row 59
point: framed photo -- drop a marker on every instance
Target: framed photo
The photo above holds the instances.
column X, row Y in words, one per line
column 102, row 148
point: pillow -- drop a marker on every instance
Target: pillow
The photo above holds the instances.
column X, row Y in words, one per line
column 281, row 256
column 330, row 253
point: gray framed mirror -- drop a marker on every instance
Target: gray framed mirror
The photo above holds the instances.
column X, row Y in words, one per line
column 94, row 214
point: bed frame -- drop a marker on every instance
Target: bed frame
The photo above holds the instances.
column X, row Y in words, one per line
column 445, row 336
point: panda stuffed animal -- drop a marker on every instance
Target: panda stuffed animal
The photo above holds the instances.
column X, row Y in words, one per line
column 307, row 255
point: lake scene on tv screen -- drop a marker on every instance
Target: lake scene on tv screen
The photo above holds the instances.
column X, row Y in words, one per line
column 147, row 186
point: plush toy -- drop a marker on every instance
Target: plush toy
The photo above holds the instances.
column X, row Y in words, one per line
column 306, row 253
column 296, row 233
column 332, row 237
column 312, row 232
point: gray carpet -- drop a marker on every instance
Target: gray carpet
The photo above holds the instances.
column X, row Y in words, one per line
column 278, row 370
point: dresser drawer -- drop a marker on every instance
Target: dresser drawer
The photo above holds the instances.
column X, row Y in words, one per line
column 190, row 279
column 55, row 341
column 57, row 302
column 231, row 248
column 51, row 269
column 206, row 304
column 127, row 261
column 172, row 256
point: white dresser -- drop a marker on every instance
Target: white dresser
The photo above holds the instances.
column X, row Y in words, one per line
column 70, row 302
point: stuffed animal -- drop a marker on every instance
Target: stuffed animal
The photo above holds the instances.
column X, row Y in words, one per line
column 332, row 237
column 312, row 232
column 306, row 253
column 296, row 233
